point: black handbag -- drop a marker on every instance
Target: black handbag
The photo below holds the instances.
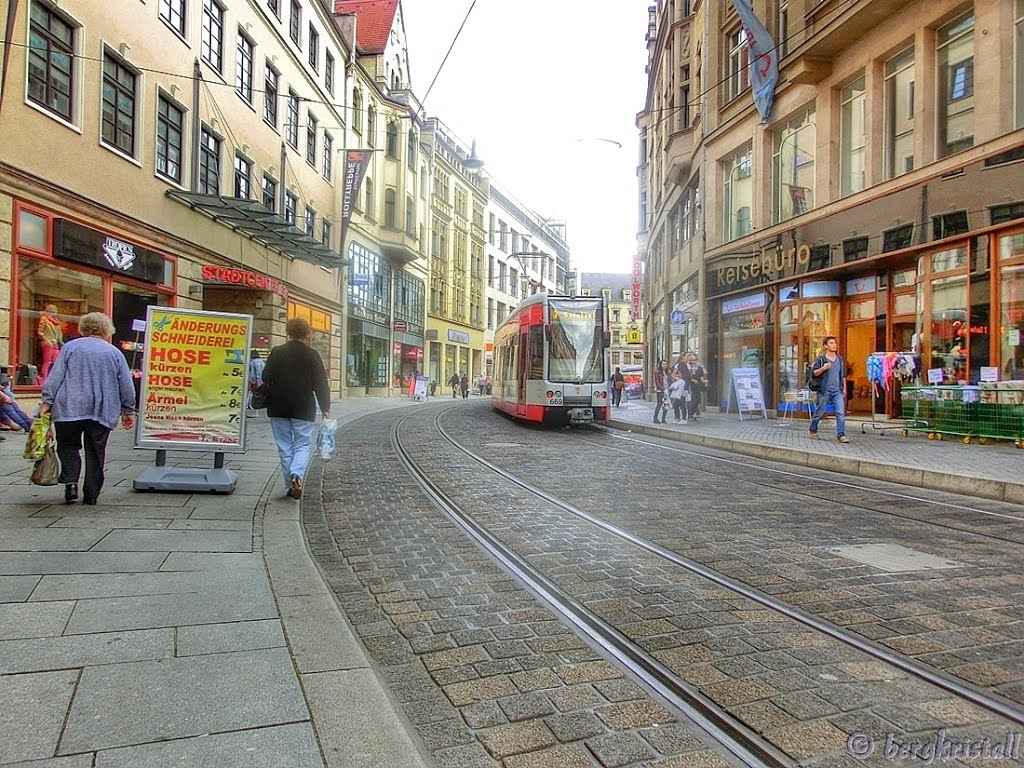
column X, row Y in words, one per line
column 260, row 397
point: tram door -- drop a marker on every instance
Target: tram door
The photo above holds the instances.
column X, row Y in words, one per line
column 521, row 369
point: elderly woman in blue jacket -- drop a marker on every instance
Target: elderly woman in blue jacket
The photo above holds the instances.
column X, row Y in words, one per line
column 88, row 390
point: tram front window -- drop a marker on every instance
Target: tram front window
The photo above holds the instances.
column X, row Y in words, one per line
column 576, row 352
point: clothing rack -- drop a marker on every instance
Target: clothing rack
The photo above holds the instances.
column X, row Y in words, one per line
column 889, row 370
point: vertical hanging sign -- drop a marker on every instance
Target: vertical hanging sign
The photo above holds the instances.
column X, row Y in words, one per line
column 635, row 312
column 764, row 63
column 356, row 161
column 194, row 380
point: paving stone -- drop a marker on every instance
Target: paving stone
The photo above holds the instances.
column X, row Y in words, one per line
column 535, row 680
column 672, row 739
column 526, row 706
column 574, row 726
column 442, row 734
column 618, row 749
column 16, row 589
column 224, row 638
column 804, row 706
column 39, row 654
column 25, row 620
column 516, row 738
column 575, row 697
column 485, row 714
column 17, row 563
column 125, row 704
column 32, row 712
column 75, row 761
column 464, row 756
column 461, row 694
column 701, row 759
column 634, row 714
column 175, row 541
column 587, row 672
column 285, row 746
column 51, row 539
column 454, row 657
column 622, row 689
column 804, row 740
column 564, row 756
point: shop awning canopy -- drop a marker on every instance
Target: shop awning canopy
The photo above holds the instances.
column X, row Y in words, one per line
column 255, row 220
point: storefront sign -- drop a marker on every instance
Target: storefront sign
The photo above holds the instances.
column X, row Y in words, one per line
column 459, row 337
column 677, row 318
column 231, row 276
column 731, row 273
column 194, row 380
column 139, row 326
column 1013, row 337
column 400, row 325
column 356, row 163
column 989, row 373
column 74, row 242
column 634, row 337
column 635, row 311
column 935, row 375
column 743, row 304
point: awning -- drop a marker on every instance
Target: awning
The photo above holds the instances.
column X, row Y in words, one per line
column 255, row 220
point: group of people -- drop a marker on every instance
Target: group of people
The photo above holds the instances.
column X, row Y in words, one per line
column 459, row 384
column 680, row 385
column 89, row 389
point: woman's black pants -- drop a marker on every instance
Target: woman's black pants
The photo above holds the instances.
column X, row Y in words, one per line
column 70, row 435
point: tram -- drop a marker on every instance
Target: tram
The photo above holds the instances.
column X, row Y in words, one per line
column 551, row 361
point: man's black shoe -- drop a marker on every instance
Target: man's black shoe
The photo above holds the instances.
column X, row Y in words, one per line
column 70, row 493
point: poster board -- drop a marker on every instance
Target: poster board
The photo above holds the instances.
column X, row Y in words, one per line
column 746, row 388
column 419, row 387
column 194, row 380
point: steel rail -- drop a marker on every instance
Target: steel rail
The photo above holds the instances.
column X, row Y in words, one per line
column 995, row 704
column 731, row 733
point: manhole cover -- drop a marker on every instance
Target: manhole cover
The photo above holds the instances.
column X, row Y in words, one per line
column 503, row 445
column 894, row 558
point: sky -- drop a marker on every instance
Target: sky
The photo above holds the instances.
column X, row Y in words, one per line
column 546, row 88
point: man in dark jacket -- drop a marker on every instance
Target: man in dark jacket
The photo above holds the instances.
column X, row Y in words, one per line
column 294, row 374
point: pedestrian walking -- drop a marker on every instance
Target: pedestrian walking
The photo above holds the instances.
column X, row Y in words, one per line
column 618, row 386
column 254, row 378
column 89, row 387
column 678, row 395
column 830, row 368
column 662, row 381
column 464, row 386
column 294, row 374
column 454, row 383
column 698, row 384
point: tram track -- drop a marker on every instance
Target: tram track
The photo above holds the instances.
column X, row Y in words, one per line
column 714, row 719
column 731, row 733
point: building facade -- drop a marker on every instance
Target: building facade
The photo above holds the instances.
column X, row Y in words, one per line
column 523, row 254
column 879, row 203
column 171, row 154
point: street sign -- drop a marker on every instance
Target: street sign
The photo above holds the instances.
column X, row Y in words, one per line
column 401, row 325
column 677, row 318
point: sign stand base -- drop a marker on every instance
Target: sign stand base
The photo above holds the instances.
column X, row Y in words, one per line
column 164, row 478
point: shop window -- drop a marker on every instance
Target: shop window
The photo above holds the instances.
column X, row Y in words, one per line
column 904, row 304
column 948, row 330
column 118, row 105
column 1011, row 320
column 70, row 293
column 948, row 260
column 32, row 230
column 897, row 238
column 949, row 224
column 129, row 304
column 51, row 56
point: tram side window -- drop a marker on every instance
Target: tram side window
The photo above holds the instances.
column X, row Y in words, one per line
column 536, row 352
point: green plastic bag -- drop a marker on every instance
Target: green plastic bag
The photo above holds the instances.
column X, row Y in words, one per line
column 35, row 447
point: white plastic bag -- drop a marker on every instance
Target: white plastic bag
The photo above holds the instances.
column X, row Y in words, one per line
column 325, row 442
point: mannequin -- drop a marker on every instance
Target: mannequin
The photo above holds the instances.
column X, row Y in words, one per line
column 51, row 339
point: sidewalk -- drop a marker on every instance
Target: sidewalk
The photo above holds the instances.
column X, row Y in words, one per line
column 991, row 471
column 163, row 629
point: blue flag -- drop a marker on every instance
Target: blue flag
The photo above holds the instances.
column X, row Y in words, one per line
column 764, row 63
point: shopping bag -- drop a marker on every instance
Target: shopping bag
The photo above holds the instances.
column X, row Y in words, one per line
column 35, row 445
column 46, row 471
column 325, row 442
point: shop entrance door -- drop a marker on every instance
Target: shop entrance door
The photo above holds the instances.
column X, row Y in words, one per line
column 129, row 315
column 860, row 342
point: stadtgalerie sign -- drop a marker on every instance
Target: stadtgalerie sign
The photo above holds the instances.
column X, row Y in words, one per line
column 194, row 380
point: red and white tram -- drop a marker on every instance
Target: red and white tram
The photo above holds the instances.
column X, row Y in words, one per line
column 551, row 361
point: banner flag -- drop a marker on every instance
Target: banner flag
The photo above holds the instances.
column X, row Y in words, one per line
column 764, row 63
column 356, row 162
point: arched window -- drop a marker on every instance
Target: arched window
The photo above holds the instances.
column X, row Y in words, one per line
column 389, row 208
column 368, row 198
column 371, row 126
column 357, row 110
column 391, row 147
column 410, row 149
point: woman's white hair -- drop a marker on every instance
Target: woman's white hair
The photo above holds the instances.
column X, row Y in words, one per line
column 95, row 324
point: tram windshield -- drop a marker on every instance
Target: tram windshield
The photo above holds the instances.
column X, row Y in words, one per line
column 576, row 352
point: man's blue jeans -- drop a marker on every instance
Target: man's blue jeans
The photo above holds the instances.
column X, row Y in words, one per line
column 837, row 400
column 294, row 439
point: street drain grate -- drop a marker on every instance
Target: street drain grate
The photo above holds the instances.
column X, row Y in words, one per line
column 894, row 558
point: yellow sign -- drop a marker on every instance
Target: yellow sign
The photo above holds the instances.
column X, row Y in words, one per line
column 633, row 337
column 194, row 380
